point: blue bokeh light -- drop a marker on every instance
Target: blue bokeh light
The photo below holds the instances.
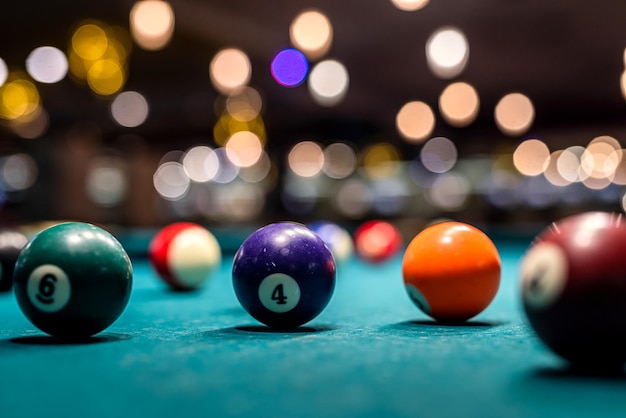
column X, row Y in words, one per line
column 289, row 67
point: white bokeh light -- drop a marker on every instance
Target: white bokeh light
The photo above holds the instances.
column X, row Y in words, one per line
column 328, row 82
column 47, row 64
column 130, row 109
column 4, row 72
column 447, row 52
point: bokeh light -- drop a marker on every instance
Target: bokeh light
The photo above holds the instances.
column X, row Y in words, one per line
column 47, row 64
column 531, row 157
column 152, row 24
column 459, row 104
column 89, row 42
column 201, row 163
column 312, row 33
column 381, row 160
column 306, row 159
column 18, row 172
column 106, row 77
column 447, row 52
column 601, row 157
column 4, row 72
column 244, row 104
column 514, row 114
column 353, row 198
column 227, row 171
column 106, row 181
column 171, row 181
column 19, row 98
column 258, row 171
column 229, row 70
column 244, row 148
column 415, row 121
column 568, row 164
column 98, row 54
column 449, row 191
column 227, row 125
column 289, row 67
column 33, row 125
column 328, row 82
column 552, row 172
column 410, row 5
column 439, row 155
column 240, row 201
column 129, row 109
column 340, row 160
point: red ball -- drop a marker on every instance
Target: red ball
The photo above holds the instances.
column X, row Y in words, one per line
column 184, row 255
column 377, row 241
column 573, row 281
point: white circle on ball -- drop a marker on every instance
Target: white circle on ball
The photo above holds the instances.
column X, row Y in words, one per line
column 49, row 288
column 543, row 275
column 193, row 256
column 279, row 292
column 417, row 298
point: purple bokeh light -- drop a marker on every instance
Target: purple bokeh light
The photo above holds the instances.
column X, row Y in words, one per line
column 289, row 67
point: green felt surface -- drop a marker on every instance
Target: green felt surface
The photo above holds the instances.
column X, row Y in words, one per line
column 371, row 353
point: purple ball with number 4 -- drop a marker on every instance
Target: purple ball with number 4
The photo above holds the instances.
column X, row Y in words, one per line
column 284, row 275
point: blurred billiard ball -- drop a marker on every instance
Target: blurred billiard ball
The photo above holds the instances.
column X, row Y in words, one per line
column 184, row 255
column 573, row 285
column 284, row 275
column 377, row 241
column 11, row 243
column 451, row 271
column 73, row 280
column 336, row 237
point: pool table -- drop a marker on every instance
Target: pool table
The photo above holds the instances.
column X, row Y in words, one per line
column 371, row 353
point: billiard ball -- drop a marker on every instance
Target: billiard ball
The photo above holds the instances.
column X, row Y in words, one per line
column 184, row 255
column 284, row 274
column 377, row 241
column 73, row 280
column 336, row 237
column 451, row 271
column 11, row 243
column 573, row 287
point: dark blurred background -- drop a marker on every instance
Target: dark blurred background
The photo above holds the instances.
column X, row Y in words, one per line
column 144, row 112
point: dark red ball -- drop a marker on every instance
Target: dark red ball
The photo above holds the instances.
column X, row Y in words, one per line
column 573, row 281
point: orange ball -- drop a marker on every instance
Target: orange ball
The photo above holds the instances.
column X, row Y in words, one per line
column 451, row 271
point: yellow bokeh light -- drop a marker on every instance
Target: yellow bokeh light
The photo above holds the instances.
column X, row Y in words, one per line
column 244, row 104
column 19, row 98
column 106, row 77
column 226, row 126
column 90, row 41
column 381, row 160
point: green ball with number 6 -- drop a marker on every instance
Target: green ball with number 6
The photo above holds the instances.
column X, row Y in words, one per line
column 73, row 280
